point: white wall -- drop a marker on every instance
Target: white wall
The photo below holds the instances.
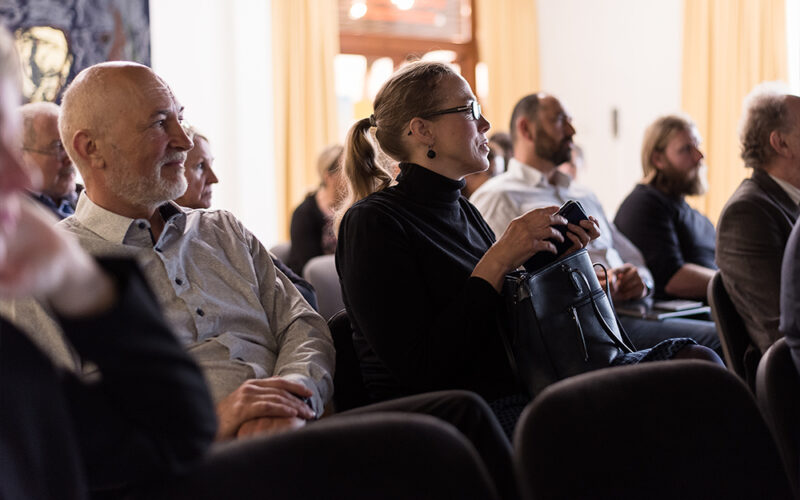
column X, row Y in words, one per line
column 598, row 56
column 216, row 56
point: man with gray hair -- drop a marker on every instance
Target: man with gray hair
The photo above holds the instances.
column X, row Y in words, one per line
column 757, row 220
column 44, row 155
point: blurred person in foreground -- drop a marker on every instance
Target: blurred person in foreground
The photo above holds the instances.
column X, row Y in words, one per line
column 61, row 435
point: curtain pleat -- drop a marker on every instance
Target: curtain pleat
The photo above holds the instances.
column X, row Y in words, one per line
column 305, row 40
column 729, row 46
column 507, row 39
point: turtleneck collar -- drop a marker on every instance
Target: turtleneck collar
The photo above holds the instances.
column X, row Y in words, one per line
column 417, row 182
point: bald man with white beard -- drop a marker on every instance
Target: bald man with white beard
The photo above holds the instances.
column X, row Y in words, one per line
column 266, row 354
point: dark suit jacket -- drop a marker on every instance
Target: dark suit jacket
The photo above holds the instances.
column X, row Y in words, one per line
column 790, row 296
column 149, row 414
column 751, row 236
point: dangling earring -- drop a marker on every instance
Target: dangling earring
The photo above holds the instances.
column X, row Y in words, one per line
column 431, row 152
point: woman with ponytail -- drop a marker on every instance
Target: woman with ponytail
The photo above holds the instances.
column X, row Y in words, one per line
column 420, row 270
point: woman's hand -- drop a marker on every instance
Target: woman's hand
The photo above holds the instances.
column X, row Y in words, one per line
column 524, row 236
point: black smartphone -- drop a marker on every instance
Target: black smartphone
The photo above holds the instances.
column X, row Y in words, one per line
column 573, row 211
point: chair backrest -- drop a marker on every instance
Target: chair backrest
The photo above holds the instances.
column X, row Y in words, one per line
column 778, row 392
column 741, row 355
column 348, row 386
column 394, row 456
column 321, row 273
column 281, row 251
column 675, row 429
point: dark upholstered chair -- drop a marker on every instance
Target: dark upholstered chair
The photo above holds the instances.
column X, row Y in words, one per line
column 380, row 455
column 348, row 386
column 321, row 273
column 281, row 250
column 671, row 429
column 741, row 355
column 778, row 392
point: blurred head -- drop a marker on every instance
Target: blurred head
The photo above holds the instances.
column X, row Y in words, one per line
column 42, row 150
column 121, row 125
column 671, row 158
column 14, row 177
column 541, row 131
column 329, row 167
column 572, row 166
column 424, row 106
column 770, row 126
column 503, row 148
column 198, row 172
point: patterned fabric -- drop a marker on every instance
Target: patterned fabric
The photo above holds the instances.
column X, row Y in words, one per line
column 660, row 352
column 507, row 410
column 62, row 209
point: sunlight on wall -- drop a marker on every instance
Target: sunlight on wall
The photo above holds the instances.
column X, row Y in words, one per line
column 622, row 55
column 219, row 66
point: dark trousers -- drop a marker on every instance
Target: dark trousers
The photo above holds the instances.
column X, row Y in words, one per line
column 471, row 415
column 646, row 333
column 393, row 449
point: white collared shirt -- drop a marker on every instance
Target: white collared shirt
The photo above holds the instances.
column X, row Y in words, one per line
column 234, row 312
column 522, row 188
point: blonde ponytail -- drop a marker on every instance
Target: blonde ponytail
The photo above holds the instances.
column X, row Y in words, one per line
column 362, row 170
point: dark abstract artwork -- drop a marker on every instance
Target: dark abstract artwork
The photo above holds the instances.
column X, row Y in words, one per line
column 58, row 38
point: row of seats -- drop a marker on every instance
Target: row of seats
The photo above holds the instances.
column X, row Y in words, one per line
column 683, row 429
column 773, row 377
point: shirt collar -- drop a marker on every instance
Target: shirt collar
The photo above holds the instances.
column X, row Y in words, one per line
column 790, row 189
column 114, row 227
column 531, row 176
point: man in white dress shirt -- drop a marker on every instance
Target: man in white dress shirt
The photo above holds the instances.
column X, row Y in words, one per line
column 542, row 131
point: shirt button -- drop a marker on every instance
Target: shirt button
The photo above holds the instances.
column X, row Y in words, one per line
column 200, row 312
column 179, row 281
column 142, row 225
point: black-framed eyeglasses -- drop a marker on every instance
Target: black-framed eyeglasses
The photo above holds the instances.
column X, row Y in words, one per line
column 56, row 150
column 473, row 107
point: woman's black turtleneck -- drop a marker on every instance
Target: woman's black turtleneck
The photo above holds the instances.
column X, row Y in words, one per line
column 404, row 258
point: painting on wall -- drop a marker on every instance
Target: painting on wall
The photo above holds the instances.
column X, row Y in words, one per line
column 57, row 39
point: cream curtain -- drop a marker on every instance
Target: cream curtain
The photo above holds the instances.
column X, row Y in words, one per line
column 508, row 44
column 729, row 46
column 305, row 39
